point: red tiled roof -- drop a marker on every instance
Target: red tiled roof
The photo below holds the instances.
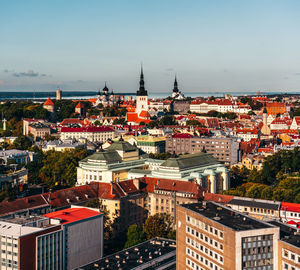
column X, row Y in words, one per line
column 87, row 129
column 18, row 205
column 72, row 214
column 49, row 102
column 219, row 198
column 182, row 135
column 71, row 121
column 79, row 106
column 292, row 207
column 144, row 114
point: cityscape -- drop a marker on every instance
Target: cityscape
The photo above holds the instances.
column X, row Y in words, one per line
column 114, row 154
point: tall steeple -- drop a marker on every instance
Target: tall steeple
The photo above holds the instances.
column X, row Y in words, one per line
column 175, row 89
column 142, row 91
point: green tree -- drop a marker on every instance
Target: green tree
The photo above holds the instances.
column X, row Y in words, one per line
column 135, row 235
column 158, row 225
column 22, row 143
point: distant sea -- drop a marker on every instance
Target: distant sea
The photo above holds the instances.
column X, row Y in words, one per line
column 34, row 95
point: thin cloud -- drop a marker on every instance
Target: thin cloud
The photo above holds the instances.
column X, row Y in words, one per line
column 29, row 73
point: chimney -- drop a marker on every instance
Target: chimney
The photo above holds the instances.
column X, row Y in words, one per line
column 111, row 188
column 136, row 183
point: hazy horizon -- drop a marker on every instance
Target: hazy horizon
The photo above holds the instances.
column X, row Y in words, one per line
column 216, row 45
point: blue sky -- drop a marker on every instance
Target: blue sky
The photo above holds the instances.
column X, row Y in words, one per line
column 210, row 45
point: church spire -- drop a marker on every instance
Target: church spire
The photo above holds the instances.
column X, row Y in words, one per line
column 142, row 91
column 175, row 89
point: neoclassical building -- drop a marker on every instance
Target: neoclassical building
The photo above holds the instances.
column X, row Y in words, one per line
column 110, row 165
column 122, row 161
column 200, row 167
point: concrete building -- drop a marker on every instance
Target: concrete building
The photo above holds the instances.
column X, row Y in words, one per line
column 92, row 134
column 225, row 149
column 158, row 252
column 82, row 236
column 288, row 247
column 210, row 236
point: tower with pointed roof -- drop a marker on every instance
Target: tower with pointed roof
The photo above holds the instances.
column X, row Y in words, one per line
column 141, row 96
column 176, row 94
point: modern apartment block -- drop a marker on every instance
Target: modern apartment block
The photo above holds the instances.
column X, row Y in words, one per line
column 288, row 247
column 224, row 149
column 210, row 236
column 60, row 240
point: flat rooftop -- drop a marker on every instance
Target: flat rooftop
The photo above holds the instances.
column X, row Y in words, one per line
column 72, row 214
column 288, row 233
column 16, row 230
column 147, row 255
column 226, row 216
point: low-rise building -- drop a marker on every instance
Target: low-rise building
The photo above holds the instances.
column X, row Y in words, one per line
column 93, row 134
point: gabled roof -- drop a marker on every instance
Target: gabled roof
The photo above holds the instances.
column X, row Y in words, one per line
column 49, row 102
column 79, row 106
column 122, row 146
column 191, row 160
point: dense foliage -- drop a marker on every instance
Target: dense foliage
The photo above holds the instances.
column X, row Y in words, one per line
column 279, row 178
column 55, row 168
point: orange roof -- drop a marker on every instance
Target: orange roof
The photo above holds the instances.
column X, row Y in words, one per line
column 49, row 102
column 144, row 114
column 72, row 214
column 79, row 105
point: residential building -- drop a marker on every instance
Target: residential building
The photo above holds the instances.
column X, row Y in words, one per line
column 211, row 236
column 276, row 108
column 92, row 133
column 149, row 144
column 17, row 156
column 247, row 134
column 27, row 122
column 288, row 247
column 39, row 130
column 225, row 149
column 158, row 252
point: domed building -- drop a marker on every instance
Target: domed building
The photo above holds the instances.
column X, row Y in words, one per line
column 106, row 98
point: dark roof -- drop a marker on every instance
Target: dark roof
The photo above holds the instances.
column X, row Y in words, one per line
column 288, row 234
column 138, row 256
column 107, row 156
column 256, row 203
column 122, row 146
column 191, row 161
column 226, row 216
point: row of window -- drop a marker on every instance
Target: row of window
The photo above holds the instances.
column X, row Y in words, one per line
column 204, row 238
column 289, row 255
column 214, row 255
column 287, row 266
column 203, row 226
column 204, row 261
